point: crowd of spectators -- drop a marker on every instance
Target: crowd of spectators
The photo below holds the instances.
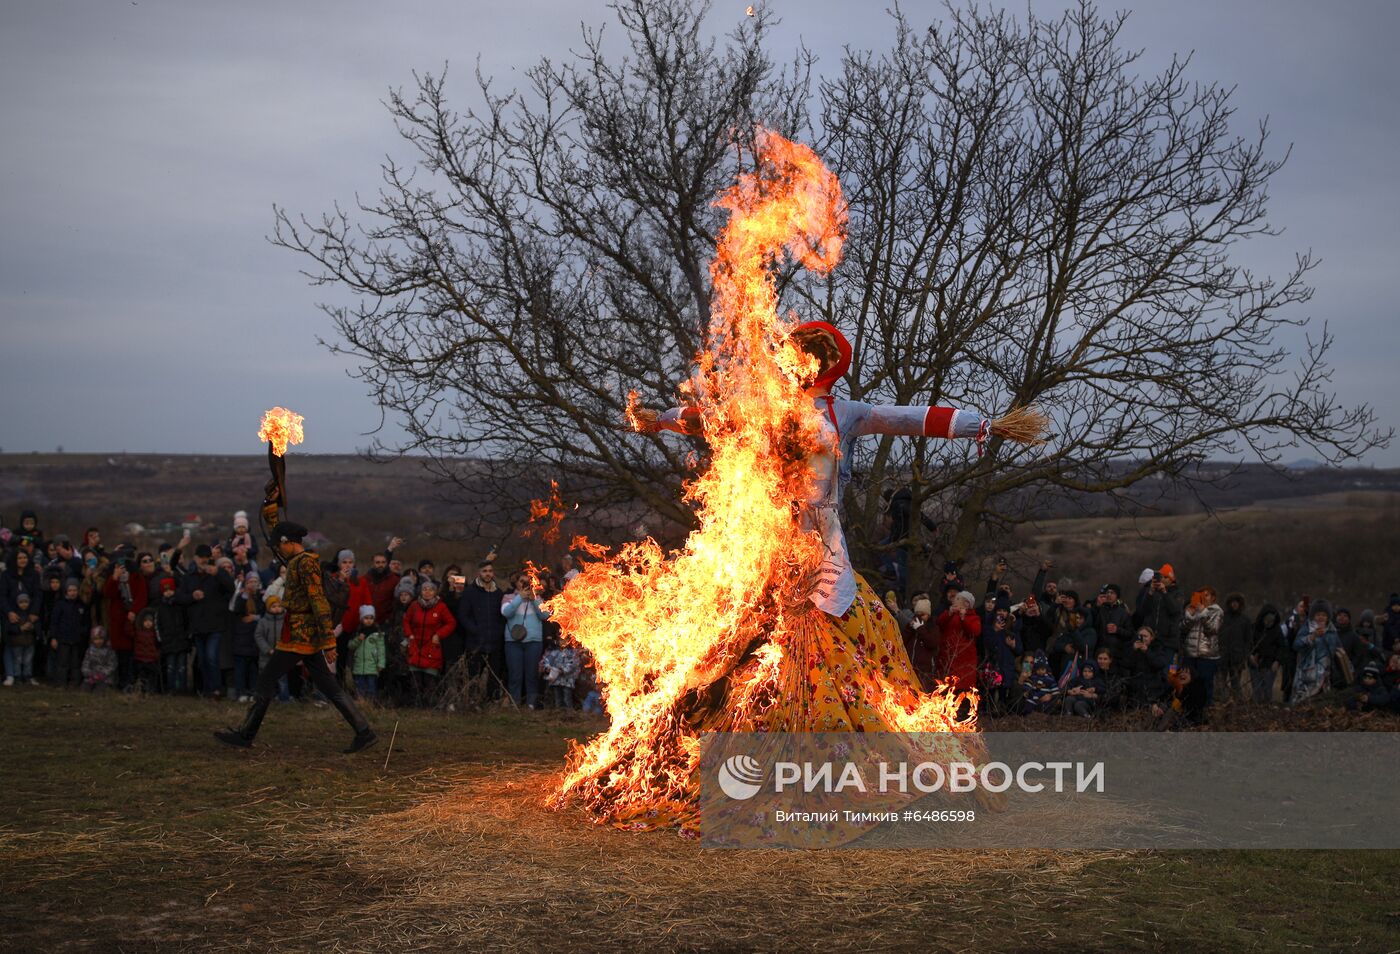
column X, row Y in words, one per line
column 1170, row 653
column 202, row 618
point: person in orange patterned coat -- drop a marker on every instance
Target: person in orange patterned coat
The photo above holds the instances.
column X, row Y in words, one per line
column 308, row 637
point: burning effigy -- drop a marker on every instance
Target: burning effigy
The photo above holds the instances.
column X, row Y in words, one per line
column 758, row 622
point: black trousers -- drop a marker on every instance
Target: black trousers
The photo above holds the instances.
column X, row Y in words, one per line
column 283, row 662
column 480, row 660
column 66, row 664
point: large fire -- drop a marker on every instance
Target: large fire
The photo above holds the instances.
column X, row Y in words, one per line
column 663, row 629
column 281, row 427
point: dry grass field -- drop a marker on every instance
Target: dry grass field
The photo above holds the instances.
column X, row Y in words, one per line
column 128, row 828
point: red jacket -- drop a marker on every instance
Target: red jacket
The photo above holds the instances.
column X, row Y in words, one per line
column 361, row 594
column 957, row 648
column 422, row 623
column 119, row 628
column 382, row 594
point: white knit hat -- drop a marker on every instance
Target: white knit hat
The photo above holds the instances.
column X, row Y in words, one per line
column 1146, row 575
column 240, row 519
column 366, row 610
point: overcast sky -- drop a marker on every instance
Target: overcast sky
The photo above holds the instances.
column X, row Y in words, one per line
column 142, row 145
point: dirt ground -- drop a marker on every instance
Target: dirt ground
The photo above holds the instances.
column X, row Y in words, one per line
column 128, row 828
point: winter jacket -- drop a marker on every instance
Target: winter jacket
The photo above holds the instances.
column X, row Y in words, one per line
column 24, row 632
column 381, row 592
column 1080, row 642
column 1200, row 631
column 1146, row 670
column 69, row 624
column 1189, row 700
column 561, row 666
column 921, row 643
column 519, row 611
column 1122, row 620
column 368, row 650
column 958, row 637
column 210, row 614
column 1098, row 686
column 145, row 643
column 1001, row 656
column 360, row 595
column 243, row 630
column 1314, row 661
column 170, row 623
column 1162, row 613
column 119, row 627
column 15, row 583
column 1390, row 624
column 1235, row 633
column 99, row 663
column 426, row 626
column 479, row 614
column 1035, row 633
column 1266, row 638
column 268, row 631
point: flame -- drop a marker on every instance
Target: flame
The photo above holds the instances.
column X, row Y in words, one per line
column 281, row 427
column 663, row 628
column 546, row 515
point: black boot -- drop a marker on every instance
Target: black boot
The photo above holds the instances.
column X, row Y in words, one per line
column 242, row 737
column 363, row 740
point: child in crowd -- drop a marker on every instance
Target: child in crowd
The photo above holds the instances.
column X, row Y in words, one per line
column 1187, row 705
column 1369, row 693
column 586, row 685
column 100, row 662
column 174, row 637
column 268, row 631
column 369, row 654
column 1085, row 691
column 247, row 610
column 145, row 652
column 561, row 666
column 1040, row 689
column 20, row 636
column 67, row 634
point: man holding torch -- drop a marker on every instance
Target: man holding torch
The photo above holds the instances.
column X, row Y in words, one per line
column 308, row 634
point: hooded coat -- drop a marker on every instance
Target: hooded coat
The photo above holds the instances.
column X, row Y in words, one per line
column 1235, row 631
column 426, row 626
column 1266, row 638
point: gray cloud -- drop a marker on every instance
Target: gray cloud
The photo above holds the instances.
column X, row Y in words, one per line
column 145, row 143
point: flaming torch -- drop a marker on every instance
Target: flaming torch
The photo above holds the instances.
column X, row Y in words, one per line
column 280, row 427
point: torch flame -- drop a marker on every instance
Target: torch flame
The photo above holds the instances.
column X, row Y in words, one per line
column 281, row 427
column 664, row 629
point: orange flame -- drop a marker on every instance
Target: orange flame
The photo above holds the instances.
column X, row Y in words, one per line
column 281, row 427
column 662, row 627
column 546, row 515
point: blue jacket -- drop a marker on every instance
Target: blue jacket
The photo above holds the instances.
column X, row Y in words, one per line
column 527, row 613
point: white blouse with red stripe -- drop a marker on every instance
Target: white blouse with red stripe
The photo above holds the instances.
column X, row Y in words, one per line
column 843, row 422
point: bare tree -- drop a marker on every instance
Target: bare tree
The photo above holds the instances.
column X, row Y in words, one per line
column 549, row 252
column 1031, row 222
